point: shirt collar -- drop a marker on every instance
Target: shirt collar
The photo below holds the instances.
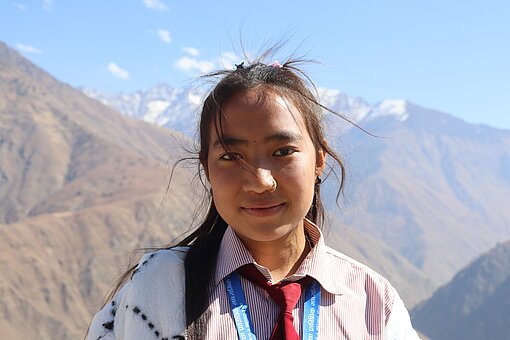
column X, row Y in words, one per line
column 233, row 254
column 318, row 263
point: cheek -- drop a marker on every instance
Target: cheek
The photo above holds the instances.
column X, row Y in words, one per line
column 222, row 179
column 299, row 182
column 294, row 175
column 302, row 169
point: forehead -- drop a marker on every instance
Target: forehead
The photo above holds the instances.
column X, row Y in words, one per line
column 260, row 109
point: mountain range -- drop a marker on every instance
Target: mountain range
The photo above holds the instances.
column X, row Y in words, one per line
column 82, row 186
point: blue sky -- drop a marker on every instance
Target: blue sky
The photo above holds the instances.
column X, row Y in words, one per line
column 453, row 56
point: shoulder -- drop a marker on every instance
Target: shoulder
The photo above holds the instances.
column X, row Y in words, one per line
column 361, row 285
column 160, row 263
column 159, row 277
column 358, row 278
column 339, row 272
column 337, row 258
column 140, row 309
column 363, row 278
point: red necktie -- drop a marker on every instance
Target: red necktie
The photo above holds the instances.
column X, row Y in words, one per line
column 286, row 294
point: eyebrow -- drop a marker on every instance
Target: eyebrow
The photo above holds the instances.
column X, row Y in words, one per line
column 279, row 136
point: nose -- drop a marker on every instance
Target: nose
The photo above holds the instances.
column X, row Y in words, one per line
column 259, row 180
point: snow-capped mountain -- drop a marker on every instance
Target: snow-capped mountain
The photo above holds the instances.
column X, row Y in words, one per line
column 178, row 108
column 175, row 108
column 353, row 107
column 398, row 108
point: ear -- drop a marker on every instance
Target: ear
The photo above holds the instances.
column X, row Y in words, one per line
column 320, row 161
column 203, row 162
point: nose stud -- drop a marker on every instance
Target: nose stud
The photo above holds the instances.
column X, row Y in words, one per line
column 273, row 187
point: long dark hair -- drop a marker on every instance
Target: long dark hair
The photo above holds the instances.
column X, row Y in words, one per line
column 287, row 80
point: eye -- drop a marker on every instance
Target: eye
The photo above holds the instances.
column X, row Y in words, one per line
column 230, row 156
column 284, row 152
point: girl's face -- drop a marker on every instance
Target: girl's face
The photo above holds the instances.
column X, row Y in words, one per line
column 268, row 133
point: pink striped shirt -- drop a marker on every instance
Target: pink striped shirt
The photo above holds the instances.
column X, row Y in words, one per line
column 356, row 302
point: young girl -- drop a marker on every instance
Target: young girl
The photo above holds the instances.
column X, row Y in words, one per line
column 257, row 267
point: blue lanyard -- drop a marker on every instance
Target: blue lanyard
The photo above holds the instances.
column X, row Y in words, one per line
column 241, row 313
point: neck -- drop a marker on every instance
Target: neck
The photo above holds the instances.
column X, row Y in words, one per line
column 282, row 256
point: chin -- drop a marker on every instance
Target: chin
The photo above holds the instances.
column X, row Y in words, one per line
column 265, row 233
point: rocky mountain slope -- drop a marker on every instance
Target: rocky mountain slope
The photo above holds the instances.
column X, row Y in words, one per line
column 434, row 188
column 81, row 186
column 474, row 305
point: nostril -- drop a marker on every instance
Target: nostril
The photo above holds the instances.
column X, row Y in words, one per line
column 273, row 185
column 261, row 180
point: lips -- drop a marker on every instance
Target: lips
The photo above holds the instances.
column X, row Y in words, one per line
column 263, row 209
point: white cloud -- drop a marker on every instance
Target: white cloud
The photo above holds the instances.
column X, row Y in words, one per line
column 229, row 59
column 194, row 98
column 20, row 6
column 47, row 4
column 191, row 51
column 117, row 71
column 164, row 35
column 155, row 5
column 191, row 64
column 28, row 48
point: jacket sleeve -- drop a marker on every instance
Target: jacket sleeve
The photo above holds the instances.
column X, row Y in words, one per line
column 103, row 324
column 399, row 325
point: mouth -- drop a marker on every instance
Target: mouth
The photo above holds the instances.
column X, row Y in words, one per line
column 264, row 210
